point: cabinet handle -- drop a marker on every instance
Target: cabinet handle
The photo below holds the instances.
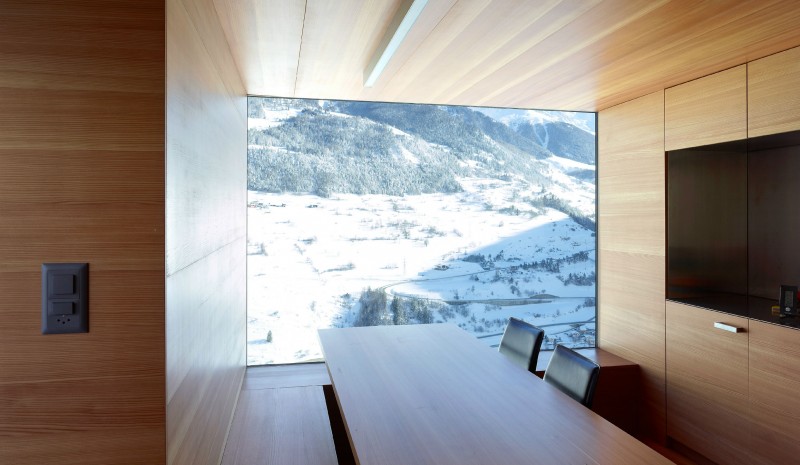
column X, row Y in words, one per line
column 727, row 327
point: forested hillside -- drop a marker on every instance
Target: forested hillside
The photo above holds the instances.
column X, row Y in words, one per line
column 326, row 147
column 562, row 139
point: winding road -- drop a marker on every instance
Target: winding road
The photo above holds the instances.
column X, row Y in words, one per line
column 535, row 299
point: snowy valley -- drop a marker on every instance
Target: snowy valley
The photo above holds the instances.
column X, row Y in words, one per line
column 454, row 217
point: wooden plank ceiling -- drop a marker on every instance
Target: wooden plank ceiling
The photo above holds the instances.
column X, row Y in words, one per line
column 549, row 54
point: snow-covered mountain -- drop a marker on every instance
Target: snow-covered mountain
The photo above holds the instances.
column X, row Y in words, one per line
column 514, row 117
column 568, row 134
column 363, row 214
column 319, row 147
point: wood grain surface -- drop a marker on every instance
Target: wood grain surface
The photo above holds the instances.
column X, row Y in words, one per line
column 554, row 54
column 206, row 198
column 602, row 357
column 432, row 394
column 706, row 111
column 281, row 426
column 292, row 375
column 631, row 247
column 631, row 191
column 82, row 180
column 774, row 382
column 773, row 94
column 707, row 387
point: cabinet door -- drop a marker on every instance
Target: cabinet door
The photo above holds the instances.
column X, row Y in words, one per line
column 773, row 93
column 708, row 110
column 774, row 389
column 707, row 385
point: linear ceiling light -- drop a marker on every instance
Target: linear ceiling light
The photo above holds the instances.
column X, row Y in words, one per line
column 401, row 24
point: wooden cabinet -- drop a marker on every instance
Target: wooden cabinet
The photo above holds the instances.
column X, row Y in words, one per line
column 773, row 94
column 732, row 397
column 708, row 110
column 707, row 383
column 756, row 99
column 774, row 387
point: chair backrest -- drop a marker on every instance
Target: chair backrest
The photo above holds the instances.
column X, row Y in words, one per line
column 573, row 374
column 521, row 343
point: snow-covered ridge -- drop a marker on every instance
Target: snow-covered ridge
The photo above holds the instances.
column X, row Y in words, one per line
column 513, row 118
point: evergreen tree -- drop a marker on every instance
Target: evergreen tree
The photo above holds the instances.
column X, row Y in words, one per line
column 419, row 310
column 372, row 311
column 399, row 311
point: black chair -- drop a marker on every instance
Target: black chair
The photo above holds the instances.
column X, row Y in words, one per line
column 521, row 343
column 573, row 374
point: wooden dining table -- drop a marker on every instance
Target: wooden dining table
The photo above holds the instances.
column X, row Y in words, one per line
column 434, row 394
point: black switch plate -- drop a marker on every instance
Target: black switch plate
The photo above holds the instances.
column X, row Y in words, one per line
column 65, row 298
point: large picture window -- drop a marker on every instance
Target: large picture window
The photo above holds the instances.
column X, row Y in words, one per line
column 363, row 213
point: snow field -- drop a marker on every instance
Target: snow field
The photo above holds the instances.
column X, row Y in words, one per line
column 309, row 259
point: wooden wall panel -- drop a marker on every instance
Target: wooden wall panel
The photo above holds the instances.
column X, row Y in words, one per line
column 206, row 201
column 774, row 384
column 82, row 179
column 708, row 110
column 773, row 94
column 631, row 233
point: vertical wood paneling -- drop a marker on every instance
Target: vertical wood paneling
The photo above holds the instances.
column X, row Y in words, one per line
column 773, row 94
column 82, row 179
column 708, row 110
column 206, row 199
column 631, row 226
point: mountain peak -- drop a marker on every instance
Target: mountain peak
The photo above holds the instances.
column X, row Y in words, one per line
column 514, row 118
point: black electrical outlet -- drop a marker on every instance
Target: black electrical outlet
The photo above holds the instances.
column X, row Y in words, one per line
column 65, row 298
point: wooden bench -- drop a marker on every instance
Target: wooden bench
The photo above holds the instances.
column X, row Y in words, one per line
column 280, row 425
column 617, row 392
